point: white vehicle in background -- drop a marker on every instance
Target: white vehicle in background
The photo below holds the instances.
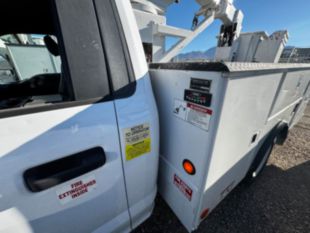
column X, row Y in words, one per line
column 83, row 137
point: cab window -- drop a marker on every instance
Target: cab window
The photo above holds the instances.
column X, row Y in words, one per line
column 30, row 71
column 51, row 56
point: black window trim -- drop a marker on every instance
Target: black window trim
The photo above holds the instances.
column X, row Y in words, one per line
column 118, row 32
column 83, row 47
column 120, row 28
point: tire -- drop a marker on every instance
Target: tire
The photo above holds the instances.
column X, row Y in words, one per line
column 259, row 161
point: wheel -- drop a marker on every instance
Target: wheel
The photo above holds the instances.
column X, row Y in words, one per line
column 260, row 161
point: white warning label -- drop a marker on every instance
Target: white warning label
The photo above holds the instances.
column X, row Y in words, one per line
column 76, row 189
column 193, row 113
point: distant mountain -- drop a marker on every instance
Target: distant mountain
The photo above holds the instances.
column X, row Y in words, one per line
column 289, row 47
column 197, row 55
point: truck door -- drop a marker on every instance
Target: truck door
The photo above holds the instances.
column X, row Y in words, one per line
column 60, row 157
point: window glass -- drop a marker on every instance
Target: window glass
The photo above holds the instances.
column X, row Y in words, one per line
column 30, row 70
column 46, row 59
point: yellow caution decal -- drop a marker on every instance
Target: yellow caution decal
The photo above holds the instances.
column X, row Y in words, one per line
column 137, row 141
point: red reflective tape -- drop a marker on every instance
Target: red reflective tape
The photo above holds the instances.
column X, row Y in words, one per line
column 199, row 108
column 204, row 214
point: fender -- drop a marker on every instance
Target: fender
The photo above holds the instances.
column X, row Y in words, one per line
column 278, row 136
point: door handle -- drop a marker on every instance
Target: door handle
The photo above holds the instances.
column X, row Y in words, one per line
column 59, row 171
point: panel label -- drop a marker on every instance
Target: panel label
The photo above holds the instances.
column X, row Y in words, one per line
column 192, row 113
column 198, row 97
column 183, row 187
column 75, row 190
column 137, row 141
column 200, row 84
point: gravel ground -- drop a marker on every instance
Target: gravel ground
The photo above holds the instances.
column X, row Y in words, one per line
column 278, row 201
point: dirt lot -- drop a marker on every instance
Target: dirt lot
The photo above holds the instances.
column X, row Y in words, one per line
column 279, row 201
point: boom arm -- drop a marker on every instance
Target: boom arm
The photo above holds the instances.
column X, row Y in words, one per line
column 225, row 11
column 232, row 44
column 152, row 24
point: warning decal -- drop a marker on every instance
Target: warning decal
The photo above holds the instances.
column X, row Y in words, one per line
column 137, row 141
column 184, row 188
column 75, row 190
column 193, row 113
column 199, row 116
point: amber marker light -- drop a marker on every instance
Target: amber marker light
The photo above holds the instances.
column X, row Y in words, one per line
column 189, row 167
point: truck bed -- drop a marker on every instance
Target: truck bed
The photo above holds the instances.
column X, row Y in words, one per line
column 218, row 115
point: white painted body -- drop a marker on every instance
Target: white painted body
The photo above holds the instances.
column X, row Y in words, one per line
column 249, row 99
column 116, row 202
column 125, row 190
column 62, row 132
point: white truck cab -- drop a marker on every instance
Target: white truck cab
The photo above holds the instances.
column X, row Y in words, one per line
column 81, row 138
column 88, row 160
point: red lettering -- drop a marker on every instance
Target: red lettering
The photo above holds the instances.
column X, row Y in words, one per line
column 76, row 184
column 77, row 189
column 79, row 193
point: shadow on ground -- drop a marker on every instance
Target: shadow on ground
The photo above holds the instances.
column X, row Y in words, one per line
column 278, row 201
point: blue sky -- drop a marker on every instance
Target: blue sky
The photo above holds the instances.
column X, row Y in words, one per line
column 260, row 15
